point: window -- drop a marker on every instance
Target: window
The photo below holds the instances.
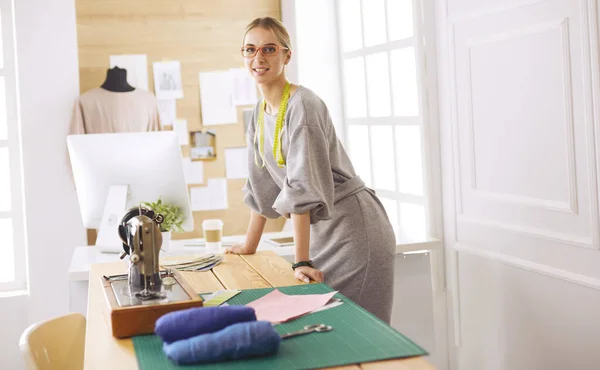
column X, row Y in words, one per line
column 12, row 232
column 383, row 110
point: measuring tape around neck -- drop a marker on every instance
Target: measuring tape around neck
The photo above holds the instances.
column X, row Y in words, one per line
column 260, row 136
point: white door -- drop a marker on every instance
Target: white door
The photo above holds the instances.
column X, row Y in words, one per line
column 519, row 93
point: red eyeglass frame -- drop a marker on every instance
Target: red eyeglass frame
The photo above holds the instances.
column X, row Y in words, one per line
column 260, row 48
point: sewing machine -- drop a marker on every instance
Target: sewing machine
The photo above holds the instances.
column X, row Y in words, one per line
column 137, row 299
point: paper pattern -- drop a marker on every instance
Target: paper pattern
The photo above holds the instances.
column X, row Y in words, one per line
column 181, row 128
column 193, row 170
column 216, row 100
column 167, row 112
column 211, row 197
column 277, row 307
column 236, row 163
column 243, row 87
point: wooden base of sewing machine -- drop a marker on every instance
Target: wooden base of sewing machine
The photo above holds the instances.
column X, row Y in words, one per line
column 140, row 319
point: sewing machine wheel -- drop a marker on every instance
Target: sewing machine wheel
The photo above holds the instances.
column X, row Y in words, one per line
column 133, row 212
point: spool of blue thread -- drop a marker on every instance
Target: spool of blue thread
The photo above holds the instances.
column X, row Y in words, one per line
column 242, row 340
column 188, row 323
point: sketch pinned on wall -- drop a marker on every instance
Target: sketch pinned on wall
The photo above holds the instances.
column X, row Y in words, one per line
column 167, row 80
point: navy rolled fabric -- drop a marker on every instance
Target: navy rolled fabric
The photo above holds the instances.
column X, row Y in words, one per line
column 188, row 323
column 242, row 340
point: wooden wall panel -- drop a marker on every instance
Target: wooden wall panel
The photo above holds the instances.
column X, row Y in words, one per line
column 204, row 35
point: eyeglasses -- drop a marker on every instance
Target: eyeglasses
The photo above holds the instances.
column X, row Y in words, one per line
column 266, row 50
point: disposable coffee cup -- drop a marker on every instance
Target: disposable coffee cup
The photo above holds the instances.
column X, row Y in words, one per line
column 213, row 233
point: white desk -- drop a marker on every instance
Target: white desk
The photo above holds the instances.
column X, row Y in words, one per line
column 84, row 256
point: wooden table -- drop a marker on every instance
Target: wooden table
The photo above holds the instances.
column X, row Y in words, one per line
column 261, row 270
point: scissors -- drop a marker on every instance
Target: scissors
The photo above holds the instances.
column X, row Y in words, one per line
column 319, row 328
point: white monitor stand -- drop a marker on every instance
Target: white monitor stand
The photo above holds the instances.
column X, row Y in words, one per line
column 108, row 240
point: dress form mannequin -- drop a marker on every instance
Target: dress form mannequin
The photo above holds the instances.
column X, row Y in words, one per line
column 116, row 80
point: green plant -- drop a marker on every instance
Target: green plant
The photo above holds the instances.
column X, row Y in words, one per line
column 173, row 216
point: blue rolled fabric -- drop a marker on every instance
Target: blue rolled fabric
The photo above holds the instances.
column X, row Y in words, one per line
column 188, row 323
column 243, row 340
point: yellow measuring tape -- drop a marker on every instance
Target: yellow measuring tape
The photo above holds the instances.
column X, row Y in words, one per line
column 277, row 151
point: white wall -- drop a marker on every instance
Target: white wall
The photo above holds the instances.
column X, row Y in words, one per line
column 413, row 309
column 514, row 319
column 13, row 316
column 519, row 97
column 48, row 82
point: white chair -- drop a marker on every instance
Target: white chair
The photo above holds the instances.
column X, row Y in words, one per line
column 55, row 344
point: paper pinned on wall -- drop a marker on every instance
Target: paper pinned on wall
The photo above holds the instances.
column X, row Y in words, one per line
column 180, row 126
column 167, row 111
column 211, row 197
column 247, row 117
column 236, row 163
column 200, row 199
column 193, row 171
column 216, row 98
column 136, row 66
column 167, row 80
column 243, row 87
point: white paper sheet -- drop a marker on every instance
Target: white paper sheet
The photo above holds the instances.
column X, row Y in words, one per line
column 236, row 163
column 167, row 80
column 167, row 111
column 216, row 98
column 193, row 171
column 136, row 66
column 211, row 197
column 181, row 128
column 243, row 86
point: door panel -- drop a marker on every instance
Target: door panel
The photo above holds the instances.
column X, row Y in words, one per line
column 519, row 94
column 523, row 163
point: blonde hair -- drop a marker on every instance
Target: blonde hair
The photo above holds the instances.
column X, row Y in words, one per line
column 274, row 25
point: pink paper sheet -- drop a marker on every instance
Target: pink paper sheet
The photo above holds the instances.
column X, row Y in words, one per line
column 277, row 307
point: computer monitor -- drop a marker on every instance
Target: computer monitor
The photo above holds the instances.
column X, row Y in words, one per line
column 117, row 171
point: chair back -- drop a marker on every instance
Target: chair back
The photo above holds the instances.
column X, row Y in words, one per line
column 57, row 343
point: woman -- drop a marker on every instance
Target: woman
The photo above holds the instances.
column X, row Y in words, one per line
column 299, row 169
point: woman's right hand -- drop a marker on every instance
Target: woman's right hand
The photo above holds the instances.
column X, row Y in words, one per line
column 239, row 249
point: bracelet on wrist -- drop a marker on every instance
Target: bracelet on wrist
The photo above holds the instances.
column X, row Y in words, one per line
column 302, row 263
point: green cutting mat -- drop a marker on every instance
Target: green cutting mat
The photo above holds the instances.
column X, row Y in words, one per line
column 357, row 336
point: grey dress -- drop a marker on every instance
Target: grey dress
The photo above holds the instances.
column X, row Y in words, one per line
column 351, row 239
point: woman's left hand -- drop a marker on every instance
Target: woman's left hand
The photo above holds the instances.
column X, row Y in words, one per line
column 305, row 273
column 239, row 249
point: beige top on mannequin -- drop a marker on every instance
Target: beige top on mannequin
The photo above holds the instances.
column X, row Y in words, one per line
column 101, row 111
